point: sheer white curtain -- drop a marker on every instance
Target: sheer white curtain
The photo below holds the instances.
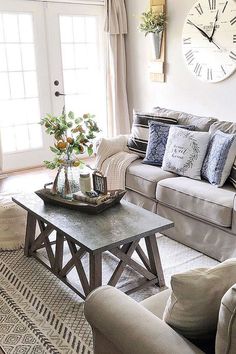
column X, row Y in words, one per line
column 116, row 28
column 0, row 155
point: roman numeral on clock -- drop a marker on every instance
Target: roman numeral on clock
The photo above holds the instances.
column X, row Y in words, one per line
column 222, row 68
column 189, row 56
column 232, row 55
column 199, row 9
column 212, row 4
column 233, row 21
column 224, row 8
column 187, row 40
column 198, row 69
column 209, row 74
column 234, row 38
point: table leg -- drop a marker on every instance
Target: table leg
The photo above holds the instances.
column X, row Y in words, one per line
column 95, row 270
column 30, row 233
column 59, row 252
column 154, row 259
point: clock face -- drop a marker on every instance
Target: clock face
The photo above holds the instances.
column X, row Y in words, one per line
column 209, row 39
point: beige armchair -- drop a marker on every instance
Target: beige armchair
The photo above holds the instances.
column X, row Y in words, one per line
column 122, row 326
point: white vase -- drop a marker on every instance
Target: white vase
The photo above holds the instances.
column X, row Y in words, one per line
column 156, row 42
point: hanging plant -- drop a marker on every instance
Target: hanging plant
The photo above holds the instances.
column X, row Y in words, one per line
column 152, row 22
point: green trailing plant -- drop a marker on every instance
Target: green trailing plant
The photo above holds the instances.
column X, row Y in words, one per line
column 152, row 22
column 73, row 137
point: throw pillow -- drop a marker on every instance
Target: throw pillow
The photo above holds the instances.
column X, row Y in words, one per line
column 219, row 158
column 193, row 306
column 230, row 128
column 140, row 131
column 185, row 152
column 232, row 176
column 158, row 136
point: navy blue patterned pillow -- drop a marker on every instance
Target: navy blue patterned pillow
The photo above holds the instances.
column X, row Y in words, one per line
column 158, row 136
column 219, row 159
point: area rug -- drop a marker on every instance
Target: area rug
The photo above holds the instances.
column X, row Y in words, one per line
column 39, row 314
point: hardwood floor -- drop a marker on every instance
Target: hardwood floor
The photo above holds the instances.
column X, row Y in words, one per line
column 29, row 180
column 26, row 181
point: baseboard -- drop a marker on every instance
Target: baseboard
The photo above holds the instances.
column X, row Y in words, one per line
column 4, row 175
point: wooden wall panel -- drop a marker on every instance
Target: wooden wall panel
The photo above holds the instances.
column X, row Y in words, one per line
column 157, row 72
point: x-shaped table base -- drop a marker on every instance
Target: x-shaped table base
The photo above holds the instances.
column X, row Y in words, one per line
column 149, row 268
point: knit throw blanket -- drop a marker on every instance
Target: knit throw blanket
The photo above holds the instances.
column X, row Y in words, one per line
column 113, row 158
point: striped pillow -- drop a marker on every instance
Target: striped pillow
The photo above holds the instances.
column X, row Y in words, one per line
column 138, row 139
column 232, row 176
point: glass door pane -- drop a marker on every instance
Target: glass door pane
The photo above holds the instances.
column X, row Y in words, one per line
column 19, row 98
column 81, row 69
column 24, row 85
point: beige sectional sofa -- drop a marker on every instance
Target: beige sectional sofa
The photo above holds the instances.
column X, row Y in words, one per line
column 204, row 215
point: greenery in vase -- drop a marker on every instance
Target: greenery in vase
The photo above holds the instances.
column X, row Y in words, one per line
column 152, row 22
column 73, row 136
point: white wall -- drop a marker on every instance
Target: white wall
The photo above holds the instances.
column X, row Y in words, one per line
column 181, row 91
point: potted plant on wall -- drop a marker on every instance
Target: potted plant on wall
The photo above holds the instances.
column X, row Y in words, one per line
column 154, row 24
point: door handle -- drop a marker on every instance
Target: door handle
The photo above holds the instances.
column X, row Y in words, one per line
column 57, row 94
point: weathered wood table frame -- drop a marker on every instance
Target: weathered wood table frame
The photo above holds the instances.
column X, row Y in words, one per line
column 150, row 269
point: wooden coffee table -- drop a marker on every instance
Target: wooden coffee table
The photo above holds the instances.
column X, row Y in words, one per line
column 117, row 230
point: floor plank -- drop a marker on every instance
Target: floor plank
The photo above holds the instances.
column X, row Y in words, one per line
column 29, row 180
column 26, row 181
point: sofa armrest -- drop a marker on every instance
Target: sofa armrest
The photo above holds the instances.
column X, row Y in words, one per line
column 234, row 216
column 108, row 147
column 130, row 327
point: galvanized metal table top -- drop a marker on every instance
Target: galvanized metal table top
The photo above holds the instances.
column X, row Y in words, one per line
column 96, row 233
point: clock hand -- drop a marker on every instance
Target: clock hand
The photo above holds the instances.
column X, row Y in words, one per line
column 205, row 34
column 202, row 32
column 215, row 44
column 214, row 28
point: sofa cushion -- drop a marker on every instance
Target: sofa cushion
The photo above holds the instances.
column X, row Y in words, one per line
column 226, row 329
column 198, row 198
column 144, row 178
column 229, row 128
column 225, row 127
column 200, row 123
column 138, row 139
column 194, row 304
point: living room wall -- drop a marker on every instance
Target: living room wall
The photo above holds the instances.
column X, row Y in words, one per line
column 181, row 90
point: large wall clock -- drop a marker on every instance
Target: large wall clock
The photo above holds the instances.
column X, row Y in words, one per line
column 209, row 39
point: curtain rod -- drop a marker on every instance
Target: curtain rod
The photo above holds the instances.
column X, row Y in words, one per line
column 78, row 2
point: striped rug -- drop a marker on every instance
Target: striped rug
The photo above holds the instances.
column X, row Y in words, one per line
column 40, row 315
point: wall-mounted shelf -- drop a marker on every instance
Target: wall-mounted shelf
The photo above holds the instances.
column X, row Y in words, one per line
column 157, row 67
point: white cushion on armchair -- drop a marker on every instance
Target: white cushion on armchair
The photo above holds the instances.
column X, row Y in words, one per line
column 195, row 301
column 121, row 325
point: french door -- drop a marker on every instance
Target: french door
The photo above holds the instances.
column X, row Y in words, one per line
column 51, row 55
